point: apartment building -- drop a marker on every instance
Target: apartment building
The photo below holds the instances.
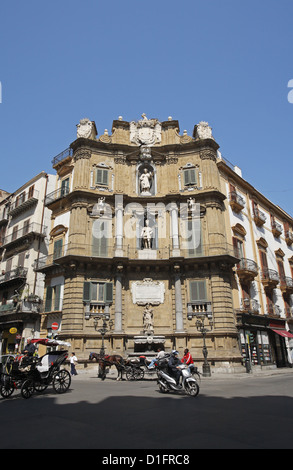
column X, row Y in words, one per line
column 24, row 226
column 262, row 237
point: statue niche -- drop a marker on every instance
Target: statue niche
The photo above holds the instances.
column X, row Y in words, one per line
column 146, row 180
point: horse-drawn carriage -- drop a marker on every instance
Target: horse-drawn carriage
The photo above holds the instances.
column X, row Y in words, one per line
column 138, row 368
column 30, row 374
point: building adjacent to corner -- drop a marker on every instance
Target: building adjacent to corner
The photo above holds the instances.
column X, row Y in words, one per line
column 262, row 237
column 24, row 222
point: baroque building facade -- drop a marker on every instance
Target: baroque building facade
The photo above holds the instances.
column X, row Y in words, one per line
column 139, row 233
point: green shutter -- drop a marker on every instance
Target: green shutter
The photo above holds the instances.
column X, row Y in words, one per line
column 57, row 297
column 108, row 292
column 190, row 177
column 102, row 177
column 57, row 249
column 197, row 291
column 87, row 291
column 48, row 303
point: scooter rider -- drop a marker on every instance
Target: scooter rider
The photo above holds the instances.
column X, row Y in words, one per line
column 173, row 364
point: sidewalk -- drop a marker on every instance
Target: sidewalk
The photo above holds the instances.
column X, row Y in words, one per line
column 91, row 372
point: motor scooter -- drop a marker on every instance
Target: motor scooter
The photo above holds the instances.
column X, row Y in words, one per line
column 167, row 383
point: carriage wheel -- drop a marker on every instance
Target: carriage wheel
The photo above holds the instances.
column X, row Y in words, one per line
column 6, row 390
column 27, row 388
column 139, row 374
column 61, row 381
column 40, row 387
column 130, row 373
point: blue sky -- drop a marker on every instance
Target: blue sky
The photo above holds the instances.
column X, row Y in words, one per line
column 227, row 62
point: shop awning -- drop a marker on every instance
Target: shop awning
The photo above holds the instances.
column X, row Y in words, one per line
column 284, row 333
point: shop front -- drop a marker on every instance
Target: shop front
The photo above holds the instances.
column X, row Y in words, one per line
column 263, row 341
column 11, row 340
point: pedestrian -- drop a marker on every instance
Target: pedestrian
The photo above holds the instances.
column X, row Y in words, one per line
column 73, row 360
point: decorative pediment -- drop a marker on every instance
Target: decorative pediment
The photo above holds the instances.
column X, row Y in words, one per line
column 280, row 253
column 262, row 242
column 239, row 229
column 58, row 230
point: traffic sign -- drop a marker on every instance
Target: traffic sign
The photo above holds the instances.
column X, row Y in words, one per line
column 55, row 326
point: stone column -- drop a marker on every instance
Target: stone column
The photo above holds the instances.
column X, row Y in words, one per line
column 174, row 229
column 178, row 301
column 118, row 300
column 119, row 225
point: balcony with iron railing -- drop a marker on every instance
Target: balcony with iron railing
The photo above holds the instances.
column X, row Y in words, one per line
column 286, row 284
column 249, row 305
column 247, row 269
column 23, row 306
column 270, row 278
column 289, row 237
column 108, row 251
column 274, row 310
column 65, row 155
column 14, row 274
column 26, row 231
column 276, row 228
column 236, row 201
column 259, row 217
column 55, row 195
column 24, row 201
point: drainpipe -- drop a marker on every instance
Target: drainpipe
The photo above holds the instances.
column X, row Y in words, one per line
column 42, row 221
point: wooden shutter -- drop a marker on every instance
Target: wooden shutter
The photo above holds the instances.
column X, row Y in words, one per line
column 189, row 177
column 100, row 243
column 102, row 177
column 87, row 291
column 57, row 248
column 194, row 240
column 48, row 303
column 197, row 291
column 108, row 292
column 31, row 191
column 57, row 290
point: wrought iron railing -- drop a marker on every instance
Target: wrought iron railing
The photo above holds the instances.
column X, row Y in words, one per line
column 25, row 230
column 57, row 194
column 62, row 155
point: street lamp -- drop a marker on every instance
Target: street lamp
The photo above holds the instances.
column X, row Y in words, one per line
column 103, row 330
column 200, row 325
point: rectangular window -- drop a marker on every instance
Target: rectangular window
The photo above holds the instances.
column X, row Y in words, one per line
column 190, row 177
column 102, row 177
column 98, row 292
column 197, row 291
column 53, row 298
column 57, row 252
column 194, row 238
column 31, row 191
column 101, row 235
column 64, row 187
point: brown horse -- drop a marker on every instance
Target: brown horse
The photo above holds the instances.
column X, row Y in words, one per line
column 108, row 361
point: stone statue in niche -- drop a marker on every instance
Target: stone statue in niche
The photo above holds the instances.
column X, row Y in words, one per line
column 145, row 181
column 148, row 320
column 147, row 235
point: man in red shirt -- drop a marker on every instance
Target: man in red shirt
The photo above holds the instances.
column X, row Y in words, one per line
column 187, row 358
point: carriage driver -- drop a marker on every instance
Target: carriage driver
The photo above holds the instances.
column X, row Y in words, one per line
column 29, row 349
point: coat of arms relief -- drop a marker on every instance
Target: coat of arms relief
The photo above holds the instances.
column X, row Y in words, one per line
column 145, row 131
